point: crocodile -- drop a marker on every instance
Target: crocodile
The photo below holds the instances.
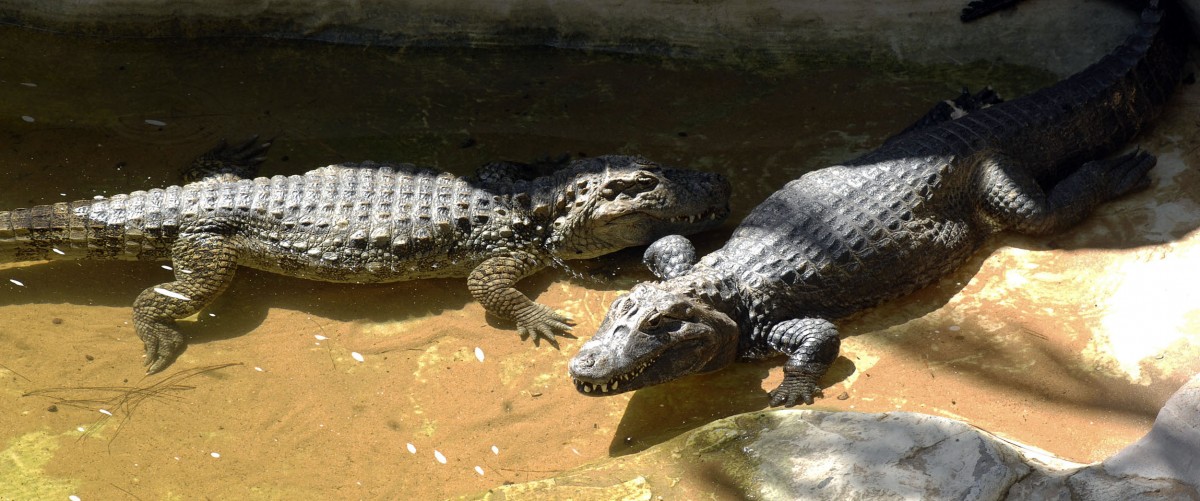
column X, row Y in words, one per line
column 845, row 238
column 368, row 223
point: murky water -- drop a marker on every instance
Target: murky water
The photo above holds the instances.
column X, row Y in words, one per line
column 445, row 401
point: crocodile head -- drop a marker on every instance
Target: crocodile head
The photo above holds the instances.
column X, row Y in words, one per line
column 612, row 202
column 651, row 336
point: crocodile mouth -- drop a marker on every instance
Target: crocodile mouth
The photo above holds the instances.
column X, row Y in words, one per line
column 711, row 214
column 633, row 379
column 613, row 385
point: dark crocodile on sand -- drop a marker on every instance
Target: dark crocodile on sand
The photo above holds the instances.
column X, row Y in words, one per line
column 844, row 238
column 368, row 223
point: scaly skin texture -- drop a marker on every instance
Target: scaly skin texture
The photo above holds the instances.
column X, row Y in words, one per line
column 844, row 238
column 367, row 223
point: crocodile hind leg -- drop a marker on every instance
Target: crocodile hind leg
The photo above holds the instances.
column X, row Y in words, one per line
column 491, row 283
column 1015, row 201
column 811, row 345
column 204, row 265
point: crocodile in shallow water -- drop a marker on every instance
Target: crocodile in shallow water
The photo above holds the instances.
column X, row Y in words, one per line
column 367, row 223
column 844, row 238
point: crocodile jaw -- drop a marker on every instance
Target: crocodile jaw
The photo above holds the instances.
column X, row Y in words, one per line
column 650, row 337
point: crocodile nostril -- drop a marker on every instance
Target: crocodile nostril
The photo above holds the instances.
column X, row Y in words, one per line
column 583, row 361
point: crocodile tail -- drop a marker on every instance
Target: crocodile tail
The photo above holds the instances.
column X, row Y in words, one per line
column 1150, row 62
column 1097, row 110
column 129, row 226
column 980, row 8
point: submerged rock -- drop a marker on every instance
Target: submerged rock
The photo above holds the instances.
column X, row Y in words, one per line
column 807, row 454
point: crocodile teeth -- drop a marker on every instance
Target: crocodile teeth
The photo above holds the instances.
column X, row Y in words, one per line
column 613, row 383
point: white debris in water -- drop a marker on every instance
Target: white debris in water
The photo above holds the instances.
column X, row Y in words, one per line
column 171, row 294
column 73, row 497
column 215, row 454
column 412, row 448
column 80, row 429
column 320, row 337
column 167, row 267
column 61, row 253
column 30, row 84
column 156, row 123
column 27, row 118
column 955, row 328
column 495, row 450
column 479, row 470
column 356, row 355
column 259, row 369
column 576, row 451
column 16, row 282
column 212, row 314
column 439, row 456
column 479, row 353
column 106, row 412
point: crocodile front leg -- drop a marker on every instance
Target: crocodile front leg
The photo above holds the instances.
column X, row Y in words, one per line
column 491, row 283
column 811, row 345
column 670, row 256
column 204, row 265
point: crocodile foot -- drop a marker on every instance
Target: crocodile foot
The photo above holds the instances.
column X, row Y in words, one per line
column 540, row 322
column 1124, row 174
column 228, row 162
column 795, row 388
column 162, row 346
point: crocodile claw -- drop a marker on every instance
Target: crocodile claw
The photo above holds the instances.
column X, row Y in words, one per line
column 161, row 350
column 1127, row 173
column 795, row 389
column 225, row 161
column 544, row 323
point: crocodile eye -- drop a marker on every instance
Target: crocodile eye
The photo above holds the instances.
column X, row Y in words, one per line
column 646, row 182
column 654, row 321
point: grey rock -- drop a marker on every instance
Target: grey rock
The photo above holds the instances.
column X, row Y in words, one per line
column 807, row 454
column 819, row 455
column 1172, row 448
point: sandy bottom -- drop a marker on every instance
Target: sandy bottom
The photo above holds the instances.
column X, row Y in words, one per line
column 297, row 388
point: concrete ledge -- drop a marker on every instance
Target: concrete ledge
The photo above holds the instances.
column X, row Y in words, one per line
column 1060, row 36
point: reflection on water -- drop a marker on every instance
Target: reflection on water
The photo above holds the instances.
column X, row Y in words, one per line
column 372, row 391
